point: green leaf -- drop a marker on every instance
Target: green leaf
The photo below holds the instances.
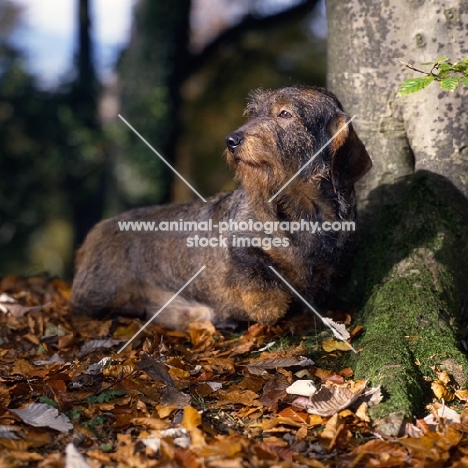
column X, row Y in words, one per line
column 411, row 85
column 449, row 84
column 47, row 401
column 428, row 63
column 444, row 67
column 465, row 81
column 460, row 67
column 442, row 59
column 105, row 396
column 74, row 413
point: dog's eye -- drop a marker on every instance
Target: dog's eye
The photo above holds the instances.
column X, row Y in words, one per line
column 284, row 114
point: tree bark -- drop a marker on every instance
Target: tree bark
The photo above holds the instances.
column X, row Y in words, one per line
column 411, row 267
column 426, row 130
column 412, row 270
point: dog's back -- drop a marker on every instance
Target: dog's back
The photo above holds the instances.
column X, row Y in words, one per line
column 135, row 272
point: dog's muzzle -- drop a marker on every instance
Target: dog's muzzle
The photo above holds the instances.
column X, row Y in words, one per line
column 234, row 140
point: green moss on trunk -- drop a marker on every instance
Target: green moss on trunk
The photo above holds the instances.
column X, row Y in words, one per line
column 411, row 272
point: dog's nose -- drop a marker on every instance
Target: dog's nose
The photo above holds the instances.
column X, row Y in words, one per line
column 234, row 140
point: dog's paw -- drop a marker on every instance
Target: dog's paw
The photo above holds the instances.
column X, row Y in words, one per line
column 265, row 306
column 179, row 313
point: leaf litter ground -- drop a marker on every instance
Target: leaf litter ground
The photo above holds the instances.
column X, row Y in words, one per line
column 194, row 398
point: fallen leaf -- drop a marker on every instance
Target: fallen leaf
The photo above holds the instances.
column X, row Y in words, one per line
column 274, row 389
column 73, row 458
column 448, row 414
column 98, row 345
column 333, row 345
column 331, row 399
column 338, row 329
column 278, row 363
column 362, row 412
column 42, row 415
column 155, row 369
column 462, row 394
column 302, row 387
column 440, row 391
column 391, row 425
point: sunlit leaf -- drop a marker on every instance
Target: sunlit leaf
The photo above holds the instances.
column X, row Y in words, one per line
column 441, row 391
column 302, row 387
column 333, row 345
column 449, row 84
column 412, row 85
column 462, row 394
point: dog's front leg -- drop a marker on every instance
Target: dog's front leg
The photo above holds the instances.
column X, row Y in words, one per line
column 265, row 306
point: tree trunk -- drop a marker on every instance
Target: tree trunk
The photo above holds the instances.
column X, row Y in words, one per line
column 87, row 180
column 153, row 69
column 412, row 270
column 426, row 130
column 412, row 264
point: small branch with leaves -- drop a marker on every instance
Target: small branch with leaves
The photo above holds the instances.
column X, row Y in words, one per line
column 448, row 74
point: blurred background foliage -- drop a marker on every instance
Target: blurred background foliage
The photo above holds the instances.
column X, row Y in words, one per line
column 67, row 160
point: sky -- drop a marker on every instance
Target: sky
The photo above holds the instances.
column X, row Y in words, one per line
column 48, row 31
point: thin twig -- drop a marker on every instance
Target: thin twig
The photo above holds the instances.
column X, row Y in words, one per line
column 408, row 65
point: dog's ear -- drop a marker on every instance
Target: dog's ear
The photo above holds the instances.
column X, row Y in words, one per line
column 350, row 160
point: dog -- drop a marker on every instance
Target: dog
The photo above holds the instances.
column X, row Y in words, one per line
column 135, row 273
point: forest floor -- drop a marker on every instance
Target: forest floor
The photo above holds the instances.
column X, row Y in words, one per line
column 77, row 393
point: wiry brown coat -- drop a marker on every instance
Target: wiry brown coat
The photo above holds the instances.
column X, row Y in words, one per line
column 135, row 273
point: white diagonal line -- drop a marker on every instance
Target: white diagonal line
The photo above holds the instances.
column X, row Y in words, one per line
column 335, row 332
column 312, row 158
column 161, row 309
column 162, row 159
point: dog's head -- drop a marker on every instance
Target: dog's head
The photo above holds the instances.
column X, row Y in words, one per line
column 299, row 132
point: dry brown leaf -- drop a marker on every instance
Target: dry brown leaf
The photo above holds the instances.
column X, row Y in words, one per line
column 315, row 420
column 93, row 346
column 347, row 372
column 441, row 375
column 243, row 397
column 166, row 410
column 21, row 455
column 391, row 425
column 331, row 431
column 462, row 394
column 170, row 396
column 268, row 424
column 334, row 345
column 17, row 310
column 381, row 446
column 331, row 399
column 155, row 369
column 440, row 391
column 278, row 363
column 125, row 332
column 331, row 427
column 301, row 433
column 275, row 389
column 322, row 374
column 218, row 365
column 307, row 461
column 297, row 416
column 152, row 423
column 362, row 412
column 191, row 421
column 225, row 448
